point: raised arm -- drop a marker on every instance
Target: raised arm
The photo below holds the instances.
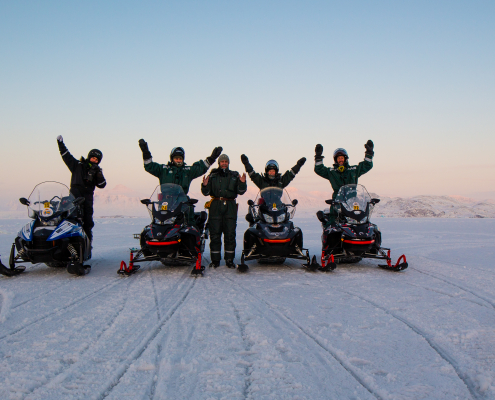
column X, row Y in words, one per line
column 68, row 158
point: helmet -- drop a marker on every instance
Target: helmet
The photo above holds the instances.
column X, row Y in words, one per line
column 272, row 164
column 95, row 153
column 340, row 152
column 177, row 152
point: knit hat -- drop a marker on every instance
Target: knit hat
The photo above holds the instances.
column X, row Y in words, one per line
column 223, row 157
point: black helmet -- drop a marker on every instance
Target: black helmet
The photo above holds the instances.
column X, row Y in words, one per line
column 340, row 152
column 272, row 164
column 95, row 153
column 177, row 152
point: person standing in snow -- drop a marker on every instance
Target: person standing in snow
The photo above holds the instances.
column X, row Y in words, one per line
column 223, row 185
column 86, row 176
column 341, row 173
column 271, row 178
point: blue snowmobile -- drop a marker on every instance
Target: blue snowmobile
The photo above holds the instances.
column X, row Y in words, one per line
column 54, row 236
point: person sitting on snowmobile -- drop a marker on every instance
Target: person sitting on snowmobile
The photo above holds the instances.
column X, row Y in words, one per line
column 223, row 185
column 177, row 171
column 86, row 176
column 271, row 176
column 341, row 173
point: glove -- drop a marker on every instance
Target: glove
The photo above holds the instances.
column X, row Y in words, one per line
column 144, row 148
column 214, row 155
column 60, row 138
column 93, row 170
column 244, row 159
column 247, row 166
column 318, row 152
column 298, row 165
column 369, row 147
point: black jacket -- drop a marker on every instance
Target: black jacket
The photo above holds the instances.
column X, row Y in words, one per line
column 84, row 179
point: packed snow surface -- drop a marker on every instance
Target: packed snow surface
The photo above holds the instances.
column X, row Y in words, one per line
column 276, row 332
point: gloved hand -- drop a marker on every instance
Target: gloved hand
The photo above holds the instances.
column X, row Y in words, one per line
column 247, row 166
column 369, row 147
column 144, row 148
column 93, row 170
column 318, row 152
column 60, row 138
column 298, row 165
column 214, row 155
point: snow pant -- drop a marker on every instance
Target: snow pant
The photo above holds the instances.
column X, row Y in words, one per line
column 222, row 218
column 332, row 217
column 87, row 211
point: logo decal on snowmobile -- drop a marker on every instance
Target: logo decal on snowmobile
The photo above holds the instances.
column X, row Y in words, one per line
column 26, row 232
column 47, row 204
column 47, row 212
column 65, row 229
column 274, row 207
column 164, row 206
column 356, row 206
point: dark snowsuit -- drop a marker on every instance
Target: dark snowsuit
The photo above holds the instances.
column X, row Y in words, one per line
column 338, row 179
column 223, row 187
column 263, row 181
column 82, row 184
column 183, row 176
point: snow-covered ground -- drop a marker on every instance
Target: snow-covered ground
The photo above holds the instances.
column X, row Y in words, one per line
column 277, row 332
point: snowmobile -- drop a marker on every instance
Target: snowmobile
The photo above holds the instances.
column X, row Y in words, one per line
column 55, row 235
column 353, row 236
column 272, row 236
column 176, row 235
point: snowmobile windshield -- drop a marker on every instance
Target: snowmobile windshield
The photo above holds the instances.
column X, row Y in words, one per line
column 49, row 200
column 167, row 199
column 274, row 205
column 354, row 199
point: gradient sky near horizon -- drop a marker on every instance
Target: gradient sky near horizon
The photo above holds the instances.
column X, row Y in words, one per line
column 270, row 79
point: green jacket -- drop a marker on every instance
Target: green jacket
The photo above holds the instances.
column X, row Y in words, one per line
column 170, row 173
column 224, row 184
column 349, row 176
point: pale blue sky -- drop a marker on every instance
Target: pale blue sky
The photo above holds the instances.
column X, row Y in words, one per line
column 267, row 78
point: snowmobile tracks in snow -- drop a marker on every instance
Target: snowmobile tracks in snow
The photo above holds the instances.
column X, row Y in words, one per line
column 65, row 308
column 68, row 367
column 315, row 342
column 465, row 289
column 466, row 379
column 143, row 345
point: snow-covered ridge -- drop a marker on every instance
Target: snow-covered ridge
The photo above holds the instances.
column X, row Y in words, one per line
column 122, row 201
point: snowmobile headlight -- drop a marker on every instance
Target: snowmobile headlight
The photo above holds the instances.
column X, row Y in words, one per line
column 52, row 222
column 169, row 221
column 281, row 218
column 268, row 219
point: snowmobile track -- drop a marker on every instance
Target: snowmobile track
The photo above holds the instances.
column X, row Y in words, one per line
column 247, row 348
column 94, row 343
column 470, row 385
column 467, row 290
column 373, row 389
column 139, row 350
column 73, row 303
column 154, row 293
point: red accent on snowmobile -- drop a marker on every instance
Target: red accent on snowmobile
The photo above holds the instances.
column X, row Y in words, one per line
column 276, row 240
column 128, row 270
column 359, row 241
column 162, row 243
column 198, row 268
column 399, row 266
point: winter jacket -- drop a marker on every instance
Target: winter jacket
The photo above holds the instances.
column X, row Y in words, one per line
column 349, row 176
column 170, row 173
column 84, row 179
column 225, row 184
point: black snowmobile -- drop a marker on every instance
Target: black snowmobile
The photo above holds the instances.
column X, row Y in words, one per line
column 353, row 236
column 176, row 235
column 272, row 236
column 55, row 235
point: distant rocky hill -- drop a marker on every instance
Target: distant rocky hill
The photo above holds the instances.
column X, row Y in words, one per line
column 122, row 201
